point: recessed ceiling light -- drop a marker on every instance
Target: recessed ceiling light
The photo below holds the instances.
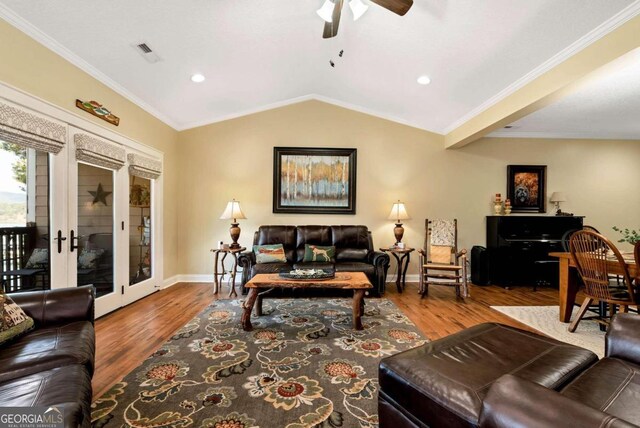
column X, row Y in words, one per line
column 424, row 80
column 197, row 78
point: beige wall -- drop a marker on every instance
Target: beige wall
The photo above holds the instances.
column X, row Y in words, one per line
column 29, row 66
column 234, row 159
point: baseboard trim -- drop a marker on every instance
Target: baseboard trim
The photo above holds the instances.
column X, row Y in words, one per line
column 172, row 280
column 168, row 282
column 409, row 278
column 194, row 277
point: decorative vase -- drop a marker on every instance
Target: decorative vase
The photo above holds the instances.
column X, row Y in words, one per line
column 497, row 208
column 507, row 209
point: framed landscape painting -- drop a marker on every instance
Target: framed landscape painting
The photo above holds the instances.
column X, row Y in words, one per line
column 314, row 180
column 526, row 188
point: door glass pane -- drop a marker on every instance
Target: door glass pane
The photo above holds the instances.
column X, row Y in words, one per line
column 139, row 229
column 95, row 228
column 24, row 218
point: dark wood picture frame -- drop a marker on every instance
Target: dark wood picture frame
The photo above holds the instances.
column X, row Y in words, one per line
column 306, row 194
column 527, row 188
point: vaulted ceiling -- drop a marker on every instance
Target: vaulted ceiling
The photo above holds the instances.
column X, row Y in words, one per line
column 605, row 106
column 260, row 54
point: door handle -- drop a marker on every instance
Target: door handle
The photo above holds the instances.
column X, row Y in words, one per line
column 74, row 240
column 60, row 238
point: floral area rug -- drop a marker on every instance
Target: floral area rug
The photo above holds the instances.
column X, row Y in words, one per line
column 301, row 366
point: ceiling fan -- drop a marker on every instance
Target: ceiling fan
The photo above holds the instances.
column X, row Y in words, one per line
column 332, row 9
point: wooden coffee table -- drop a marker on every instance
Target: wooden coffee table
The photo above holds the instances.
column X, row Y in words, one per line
column 356, row 281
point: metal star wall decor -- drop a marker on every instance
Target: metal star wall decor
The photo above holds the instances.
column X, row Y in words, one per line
column 99, row 195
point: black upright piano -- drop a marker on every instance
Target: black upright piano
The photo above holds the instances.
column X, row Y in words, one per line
column 517, row 244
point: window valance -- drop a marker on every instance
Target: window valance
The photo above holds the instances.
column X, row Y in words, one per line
column 142, row 166
column 97, row 151
column 26, row 128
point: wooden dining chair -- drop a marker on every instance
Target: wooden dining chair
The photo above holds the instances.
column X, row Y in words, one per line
column 593, row 254
column 441, row 263
column 636, row 254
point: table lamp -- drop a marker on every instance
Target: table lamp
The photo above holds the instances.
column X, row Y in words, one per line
column 398, row 212
column 233, row 211
column 556, row 198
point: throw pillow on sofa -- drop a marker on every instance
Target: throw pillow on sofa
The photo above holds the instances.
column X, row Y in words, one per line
column 14, row 322
column 316, row 253
column 88, row 259
column 39, row 259
column 269, row 253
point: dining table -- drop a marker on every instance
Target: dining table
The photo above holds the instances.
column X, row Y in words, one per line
column 568, row 280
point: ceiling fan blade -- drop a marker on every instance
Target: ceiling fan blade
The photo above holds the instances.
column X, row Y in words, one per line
column 331, row 28
column 399, row 7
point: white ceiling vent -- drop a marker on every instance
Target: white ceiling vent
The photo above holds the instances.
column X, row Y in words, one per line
column 147, row 53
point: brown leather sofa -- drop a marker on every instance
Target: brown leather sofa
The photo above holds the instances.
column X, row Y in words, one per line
column 604, row 395
column 494, row 376
column 354, row 252
column 52, row 365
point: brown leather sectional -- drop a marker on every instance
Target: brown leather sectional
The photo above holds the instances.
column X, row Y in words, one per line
column 354, row 252
column 52, row 365
column 495, row 376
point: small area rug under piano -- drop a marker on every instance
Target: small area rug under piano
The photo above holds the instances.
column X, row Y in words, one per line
column 545, row 320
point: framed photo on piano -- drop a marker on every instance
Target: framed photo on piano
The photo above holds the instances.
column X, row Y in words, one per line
column 527, row 188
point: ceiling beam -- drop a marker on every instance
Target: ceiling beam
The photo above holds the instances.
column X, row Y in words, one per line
column 551, row 86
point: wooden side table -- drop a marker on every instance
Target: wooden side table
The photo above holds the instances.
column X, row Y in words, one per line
column 402, row 256
column 234, row 268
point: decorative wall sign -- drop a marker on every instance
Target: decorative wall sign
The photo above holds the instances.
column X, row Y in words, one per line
column 98, row 110
column 314, row 180
column 99, row 195
column 526, row 188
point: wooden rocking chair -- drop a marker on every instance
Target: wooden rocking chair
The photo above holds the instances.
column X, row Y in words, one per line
column 440, row 261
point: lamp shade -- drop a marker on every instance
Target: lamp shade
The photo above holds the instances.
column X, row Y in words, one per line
column 558, row 197
column 232, row 211
column 326, row 11
column 357, row 8
column 398, row 212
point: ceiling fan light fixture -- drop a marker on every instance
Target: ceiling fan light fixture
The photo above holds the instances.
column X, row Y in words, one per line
column 326, row 11
column 358, row 8
column 424, row 80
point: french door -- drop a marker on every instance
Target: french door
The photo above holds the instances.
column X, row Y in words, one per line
column 77, row 205
column 106, row 213
column 142, row 275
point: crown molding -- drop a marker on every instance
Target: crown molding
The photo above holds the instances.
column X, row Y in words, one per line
column 296, row 100
column 561, row 135
column 30, row 30
column 594, row 35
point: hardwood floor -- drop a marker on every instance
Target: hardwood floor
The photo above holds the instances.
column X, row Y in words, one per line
column 128, row 336
column 440, row 314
